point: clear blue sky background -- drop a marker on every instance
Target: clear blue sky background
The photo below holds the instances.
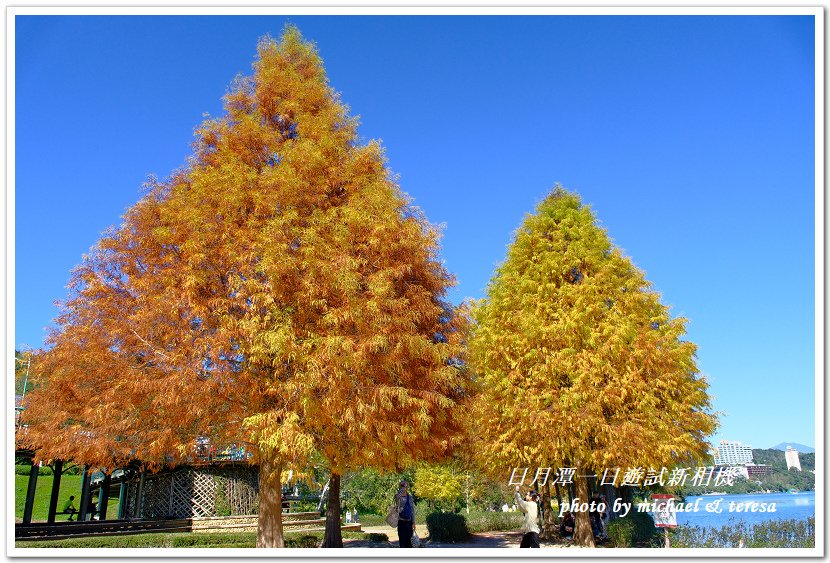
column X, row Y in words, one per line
column 691, row 137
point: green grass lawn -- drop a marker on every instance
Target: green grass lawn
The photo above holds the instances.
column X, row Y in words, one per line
column 213, row 540
column 70, row 485
column 242, row 539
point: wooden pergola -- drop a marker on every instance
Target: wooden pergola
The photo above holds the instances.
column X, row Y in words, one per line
column 106, row 486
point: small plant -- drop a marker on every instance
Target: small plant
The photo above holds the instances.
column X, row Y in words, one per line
column 305, row 540
column 378, row 538
column 635, row 530
column 645, row 533
column 222, row 506
column 621, row 532
column 478, row 522
column 773, row 533
column 447, row 527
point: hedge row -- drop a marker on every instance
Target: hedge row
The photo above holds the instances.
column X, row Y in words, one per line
column 478, row 522
column 213, row 540
column 26, row 469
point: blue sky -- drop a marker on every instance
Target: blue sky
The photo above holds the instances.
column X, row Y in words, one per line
column 691, row 137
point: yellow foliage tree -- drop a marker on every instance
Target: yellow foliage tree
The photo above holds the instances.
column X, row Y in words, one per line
column 279, row 291
column 439, row 482
column 580, row 365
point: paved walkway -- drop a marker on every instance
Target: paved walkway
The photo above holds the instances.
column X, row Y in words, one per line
column 509, row 540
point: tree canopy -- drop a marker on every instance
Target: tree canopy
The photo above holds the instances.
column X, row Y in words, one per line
column 579, row 363
column 279, row 291
column 438, row 482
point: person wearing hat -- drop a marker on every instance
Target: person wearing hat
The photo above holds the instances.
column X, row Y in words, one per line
column 406, row 514
column 531, row 523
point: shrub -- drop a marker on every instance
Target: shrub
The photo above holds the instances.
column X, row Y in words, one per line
column 773, row 533
column 370, row 536
column 224, row 539
column 305, row 540
column 447, row 527
column 27, row 469
column 645, row 534
column 223, row 506
column 635, row 530
column 373, row 519
column 493, row 521
column 621, row 532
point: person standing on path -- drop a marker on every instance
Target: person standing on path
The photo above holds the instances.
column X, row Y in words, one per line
column 406, row 515
column 531, row 523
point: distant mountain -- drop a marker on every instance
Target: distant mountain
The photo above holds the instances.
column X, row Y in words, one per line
column 800, row 447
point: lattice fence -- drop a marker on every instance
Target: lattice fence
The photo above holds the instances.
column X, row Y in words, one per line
column 196, row 492
column 157, row 497
column 238, row 486
column 131, row 500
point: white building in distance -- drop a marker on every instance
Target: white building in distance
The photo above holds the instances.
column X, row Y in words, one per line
column 732, row 453
column 791, row 456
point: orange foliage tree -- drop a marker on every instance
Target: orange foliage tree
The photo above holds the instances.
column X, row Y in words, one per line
column 279, row 291
column 580, row 365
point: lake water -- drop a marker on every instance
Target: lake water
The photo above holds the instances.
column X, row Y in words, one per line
column 787, row 506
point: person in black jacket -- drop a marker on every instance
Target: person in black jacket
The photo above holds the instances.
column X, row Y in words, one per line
column 568, row 525
column 406, row 515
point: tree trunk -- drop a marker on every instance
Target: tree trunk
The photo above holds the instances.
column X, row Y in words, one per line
column 333, row 536
column 608, row 490
column 30, row 494
column 57, row 469
column 467, row 491
column 103, row 496
column 583, row 534
column 558, row 497
column 83, row 510
column 269, row 525
column 627, row 495
column 549, row 516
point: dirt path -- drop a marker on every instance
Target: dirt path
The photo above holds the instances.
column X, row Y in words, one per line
column 502, row 540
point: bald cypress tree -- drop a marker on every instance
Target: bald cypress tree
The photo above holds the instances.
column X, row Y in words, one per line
column 580, row 364
column 279, row 291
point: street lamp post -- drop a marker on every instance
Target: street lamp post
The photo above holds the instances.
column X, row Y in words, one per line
column 19, row 408
column 26, row 378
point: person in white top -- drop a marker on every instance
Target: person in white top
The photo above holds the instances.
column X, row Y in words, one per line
column 531, row 523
